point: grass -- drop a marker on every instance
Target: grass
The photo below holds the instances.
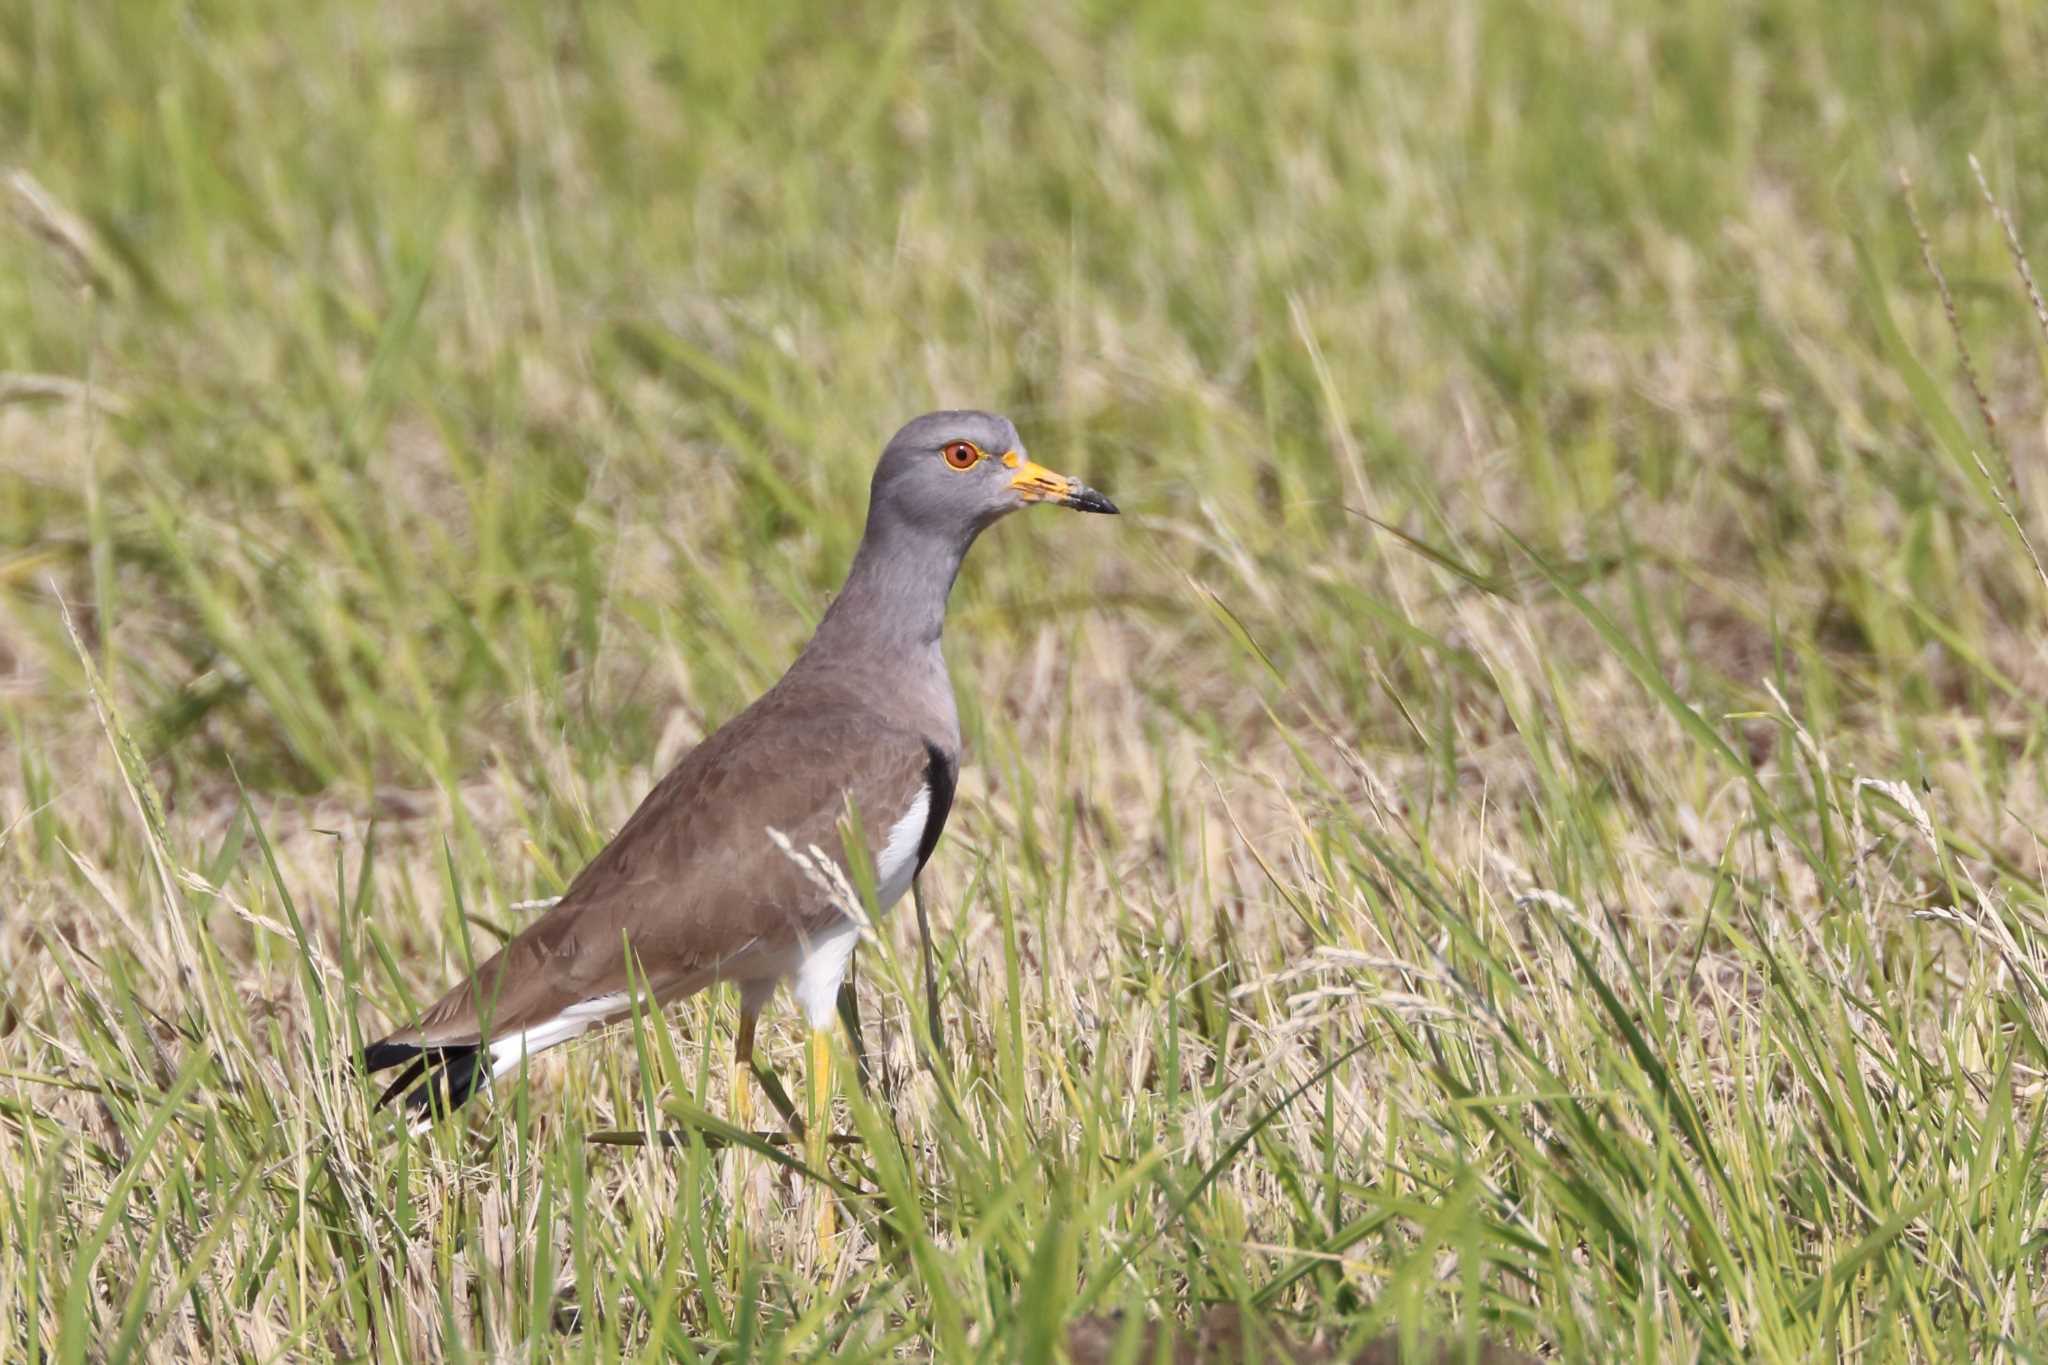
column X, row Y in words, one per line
column 1530, row 825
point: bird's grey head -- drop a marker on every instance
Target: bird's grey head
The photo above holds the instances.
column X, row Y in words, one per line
column 954, row 473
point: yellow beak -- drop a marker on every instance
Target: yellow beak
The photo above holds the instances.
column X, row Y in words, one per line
column 1036, row 483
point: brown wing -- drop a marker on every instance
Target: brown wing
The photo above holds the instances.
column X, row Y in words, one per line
column 693, row 878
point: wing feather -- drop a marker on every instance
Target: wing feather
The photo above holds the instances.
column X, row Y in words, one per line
column 692, row 882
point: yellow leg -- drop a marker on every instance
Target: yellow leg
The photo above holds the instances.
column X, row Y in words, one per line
column 818, row 1127
column 743, row 1075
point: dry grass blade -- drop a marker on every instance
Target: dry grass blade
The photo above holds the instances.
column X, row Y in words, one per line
column 56, row 388
column 2014, row 246
column 63, row 231
column 1955, row 327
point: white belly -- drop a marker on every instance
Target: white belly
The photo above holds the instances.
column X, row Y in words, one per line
column 820, row 962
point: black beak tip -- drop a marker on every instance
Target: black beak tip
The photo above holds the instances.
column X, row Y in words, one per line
column 1086, row 499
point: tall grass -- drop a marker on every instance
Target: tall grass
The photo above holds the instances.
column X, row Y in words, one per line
column 1529, row 827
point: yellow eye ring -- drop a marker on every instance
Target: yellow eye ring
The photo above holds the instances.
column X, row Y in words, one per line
column 962, row 454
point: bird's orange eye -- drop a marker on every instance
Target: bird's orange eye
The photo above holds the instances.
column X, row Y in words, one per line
column 962, row 454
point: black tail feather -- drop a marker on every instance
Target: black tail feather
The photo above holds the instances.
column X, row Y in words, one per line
column 452, row 1074
column 379, row 1056
column 463, row 1075
column 405, row 1078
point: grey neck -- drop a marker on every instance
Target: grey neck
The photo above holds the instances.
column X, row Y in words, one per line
column 893, row 606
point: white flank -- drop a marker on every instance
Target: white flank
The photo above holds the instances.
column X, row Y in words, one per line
column 897, row 862
column 821, row 959
column 509, row 1051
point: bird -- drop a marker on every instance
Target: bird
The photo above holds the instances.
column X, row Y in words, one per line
column 706, row 882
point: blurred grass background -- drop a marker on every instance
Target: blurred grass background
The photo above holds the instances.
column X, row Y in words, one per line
column 1530, row 825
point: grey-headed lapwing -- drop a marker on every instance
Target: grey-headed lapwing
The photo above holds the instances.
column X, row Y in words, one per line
column 697, row 888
